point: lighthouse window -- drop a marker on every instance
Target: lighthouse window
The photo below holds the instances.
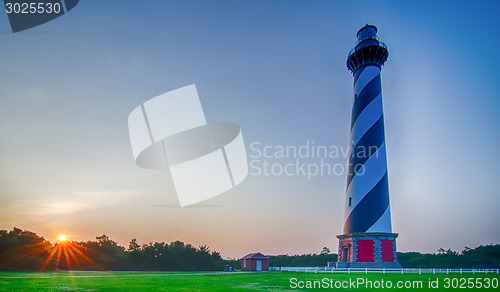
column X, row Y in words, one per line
column 350, row 201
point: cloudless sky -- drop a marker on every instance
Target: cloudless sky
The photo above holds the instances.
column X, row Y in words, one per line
column 277, row 69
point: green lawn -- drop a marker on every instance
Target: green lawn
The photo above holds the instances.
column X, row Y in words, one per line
column 198, row 281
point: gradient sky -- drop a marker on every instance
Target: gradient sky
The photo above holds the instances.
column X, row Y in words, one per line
column 277, row 69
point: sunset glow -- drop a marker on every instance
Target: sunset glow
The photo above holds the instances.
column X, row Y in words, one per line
column 70, row 252
column 67, row 166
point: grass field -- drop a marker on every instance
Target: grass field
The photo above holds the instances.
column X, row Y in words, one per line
column 212, row 281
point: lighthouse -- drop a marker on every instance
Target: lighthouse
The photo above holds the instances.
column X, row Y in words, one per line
column 367, row 240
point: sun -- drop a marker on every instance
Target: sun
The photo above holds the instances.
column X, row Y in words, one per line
column 62, row 238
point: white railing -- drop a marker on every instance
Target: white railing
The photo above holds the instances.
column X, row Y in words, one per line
column 383, row 271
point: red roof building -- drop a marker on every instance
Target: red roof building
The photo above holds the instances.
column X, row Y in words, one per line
column 255, row 262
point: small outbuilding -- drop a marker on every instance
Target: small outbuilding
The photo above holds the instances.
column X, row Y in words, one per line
column 255, row 262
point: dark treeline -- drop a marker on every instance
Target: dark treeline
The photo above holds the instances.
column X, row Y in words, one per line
column 22, row 250
column 25, row 250
column 484, row 256
column 487, row 256
column 305, row 260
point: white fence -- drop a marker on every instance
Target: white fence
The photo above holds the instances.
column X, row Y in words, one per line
column 383, row 271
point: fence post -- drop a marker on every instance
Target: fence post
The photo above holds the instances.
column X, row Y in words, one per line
column 473, row 271
column 420, row 271
column 460, row 271
column 402, row 271
column 348, row 270
column 383, row 270
column 434, row 271
column 366, row 271
column 447, row 271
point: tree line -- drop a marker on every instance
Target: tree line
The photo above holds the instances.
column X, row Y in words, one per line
column 304, row 260
column 25, row 250
column 483, row 256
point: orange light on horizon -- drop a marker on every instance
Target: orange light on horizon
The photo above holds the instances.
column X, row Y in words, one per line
column 62, row 254
column 70, row 252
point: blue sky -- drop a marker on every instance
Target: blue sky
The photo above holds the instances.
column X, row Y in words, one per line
column 277, row 69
